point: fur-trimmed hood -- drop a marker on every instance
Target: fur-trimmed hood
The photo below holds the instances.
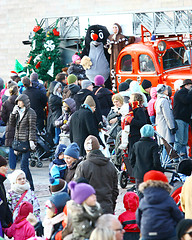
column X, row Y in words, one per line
column 155, row 184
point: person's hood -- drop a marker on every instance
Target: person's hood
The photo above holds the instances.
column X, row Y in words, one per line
column 74, row 88
column 82, row 94
column 21, row 224
column 125, row 93
column 119, row 28
column 56, row 87
column 25, row 99
column 131, row 201
column 60, row 149
column 97, row 157
column 71, row 103
column 24, row 210
column 153, row 93
column 134, row 87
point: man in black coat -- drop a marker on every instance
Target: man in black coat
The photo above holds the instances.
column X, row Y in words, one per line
column 5, row 213
column 182, row 110
column 82, row 124
column 38, row 101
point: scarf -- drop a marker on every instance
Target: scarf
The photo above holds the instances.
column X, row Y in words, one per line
column 93, row 211
column 20, row 189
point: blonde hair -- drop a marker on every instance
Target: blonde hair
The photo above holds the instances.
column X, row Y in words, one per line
column 138, row 97
column 102, row 234
column 117, row 97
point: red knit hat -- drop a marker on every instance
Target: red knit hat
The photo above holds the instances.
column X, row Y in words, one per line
column 155, row 176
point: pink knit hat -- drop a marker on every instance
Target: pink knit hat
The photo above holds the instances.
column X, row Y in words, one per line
column 99, row 80
column 75, row 57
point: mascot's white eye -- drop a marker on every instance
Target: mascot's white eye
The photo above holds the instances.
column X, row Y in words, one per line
column 101, row 35
column 92, row 35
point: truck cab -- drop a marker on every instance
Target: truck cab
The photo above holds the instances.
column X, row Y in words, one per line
column 161, row 60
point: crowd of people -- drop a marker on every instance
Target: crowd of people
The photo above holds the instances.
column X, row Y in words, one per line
column 83, row 181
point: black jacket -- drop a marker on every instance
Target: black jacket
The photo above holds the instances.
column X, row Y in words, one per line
column 81, row 126
column 5, row 213
column 182, row 105
column 145, row 157
column 102, row 175
column 105, row 99
column 138, row 121
column 77, row 70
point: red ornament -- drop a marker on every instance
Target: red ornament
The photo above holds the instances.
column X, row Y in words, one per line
column 29, row 60
column 38, row 64
column 36, row 28
column 55, row 32
column 49, row 57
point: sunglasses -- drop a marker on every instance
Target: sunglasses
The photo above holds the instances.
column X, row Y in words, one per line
column 190, row 233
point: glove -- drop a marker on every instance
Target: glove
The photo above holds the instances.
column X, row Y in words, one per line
column 173, row 131
column 15, row 109
column 32, row 219
column 32, row 145
column 39, row 229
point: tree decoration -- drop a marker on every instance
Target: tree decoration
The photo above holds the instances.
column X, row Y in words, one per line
column 38, row 64
column 55, row 32
column 49, row 45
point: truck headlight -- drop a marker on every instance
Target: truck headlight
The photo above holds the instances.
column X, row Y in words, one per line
column 161, row 46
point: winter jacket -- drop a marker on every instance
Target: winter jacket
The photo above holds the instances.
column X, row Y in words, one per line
column 182, row 105
column 164, row 118
column 186, row 198
column 13, row 198
column 6, row 215
column 131, row 203
column 25, row 128
column 102, row 175
column 115, row 127
column 138, row 121
column 77, row 70
column 7, row 108
column 57, row 169
column 38, row 85
column 105, row 99
column 145, row 157
column 83, row 221
column 80, row 98
column 151, row 103
column 20, row 231
column 81, row 126
column 158, row 214
column 70, row 172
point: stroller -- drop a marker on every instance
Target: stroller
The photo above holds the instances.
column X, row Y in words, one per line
column 43, row 150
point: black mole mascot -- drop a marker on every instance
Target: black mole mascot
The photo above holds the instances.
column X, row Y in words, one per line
column 95, row 41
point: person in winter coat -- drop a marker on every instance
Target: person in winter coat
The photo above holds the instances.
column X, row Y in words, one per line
column 84, row 210
column 100, row 173
column 157, row 214
column 21, row 229
column 146, row 88
column 62, row 78
column 52, row 222
column 76, row 68
column 145, row 155
column 58, row 166
column 23, row 118
column 128, row 218
column 72, row 160
column 72, row 88
column 103, row 94
column 37, row 103
column 63, row 122
column 7, row 108
column 6, row 215
column 36, row 84
column 151, row 105
column 20, row 189
column 55, row 111
column 83, row 124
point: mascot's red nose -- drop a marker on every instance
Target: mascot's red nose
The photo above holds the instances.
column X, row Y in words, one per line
column 94, row 36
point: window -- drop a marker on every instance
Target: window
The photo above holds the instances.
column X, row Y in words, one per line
column 126, row 63
column 146, row 63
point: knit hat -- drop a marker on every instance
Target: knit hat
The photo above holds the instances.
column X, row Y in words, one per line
column 3, row 161
column 24, row 210
column 59, row 200
column 72, row 150
column 91, row 143
column 182, row 227
column 161, row 88
column 85, row 84
column 59, row 185
column 90, row 101
column 11, row 83
column 155, row 176
column 34, row 77
column 146, row 84
column 147, row 131
column 75, row 57
column 185, row 167
column 12, row 177
column 123, row 86
column 71, row 79
column 60, row 149
column 99, row 80
column 80, row 191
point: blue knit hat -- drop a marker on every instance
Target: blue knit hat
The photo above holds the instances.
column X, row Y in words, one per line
column 147, row 131
column 60, row 149
column 59, row 200
column 72, row 150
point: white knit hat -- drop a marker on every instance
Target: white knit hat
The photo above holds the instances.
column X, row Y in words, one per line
column 12, row 177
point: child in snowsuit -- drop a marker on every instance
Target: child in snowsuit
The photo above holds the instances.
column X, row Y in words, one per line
column 21, row 229
column 151, row 105
column 128, row 218
column 157, row 214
